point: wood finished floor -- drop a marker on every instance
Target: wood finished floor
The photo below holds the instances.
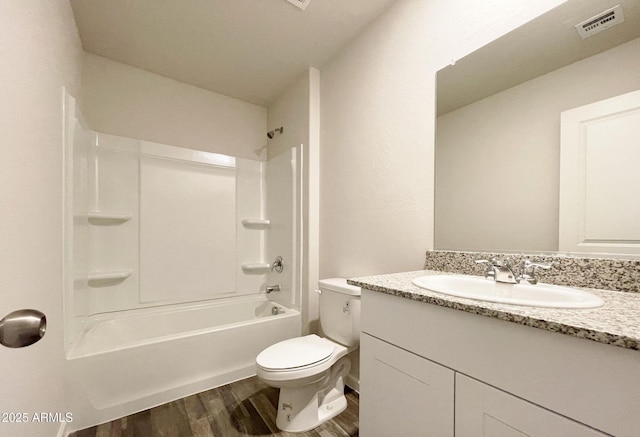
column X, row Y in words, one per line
column 243, row 408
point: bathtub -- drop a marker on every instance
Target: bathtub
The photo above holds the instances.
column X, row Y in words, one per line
column 128, row 361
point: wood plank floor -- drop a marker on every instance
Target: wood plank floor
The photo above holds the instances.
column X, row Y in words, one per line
column 243, row 408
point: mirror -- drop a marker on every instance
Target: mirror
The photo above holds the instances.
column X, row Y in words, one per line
column 498, row 124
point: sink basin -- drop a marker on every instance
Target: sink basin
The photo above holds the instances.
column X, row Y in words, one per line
column 539, row 295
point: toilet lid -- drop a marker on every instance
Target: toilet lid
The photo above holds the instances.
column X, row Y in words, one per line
column 295, row 352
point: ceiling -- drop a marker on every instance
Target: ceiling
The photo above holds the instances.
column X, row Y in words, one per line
column 247, row 49
column 540, row 46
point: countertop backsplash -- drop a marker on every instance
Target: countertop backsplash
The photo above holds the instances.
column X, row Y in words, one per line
column 604, row 273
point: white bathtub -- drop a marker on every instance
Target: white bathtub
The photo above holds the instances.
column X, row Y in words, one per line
column 133, row 360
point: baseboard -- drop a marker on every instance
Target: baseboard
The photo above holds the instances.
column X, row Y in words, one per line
column 352, row 383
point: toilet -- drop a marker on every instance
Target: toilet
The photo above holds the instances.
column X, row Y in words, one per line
column 310, row 370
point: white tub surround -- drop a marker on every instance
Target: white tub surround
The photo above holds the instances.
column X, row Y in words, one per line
column 151, row 224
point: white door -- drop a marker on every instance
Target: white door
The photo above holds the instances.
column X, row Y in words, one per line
column 31, row 387
column 599, row 177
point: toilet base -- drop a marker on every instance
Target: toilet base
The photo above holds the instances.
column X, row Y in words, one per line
column 306, row 407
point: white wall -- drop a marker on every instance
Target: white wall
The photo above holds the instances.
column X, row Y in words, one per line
column 377, row 129
column 291, row 111
column 130, row 102
column 510, row 142
column 40, row 54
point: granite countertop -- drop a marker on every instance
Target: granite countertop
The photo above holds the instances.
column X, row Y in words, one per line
column 616, row 323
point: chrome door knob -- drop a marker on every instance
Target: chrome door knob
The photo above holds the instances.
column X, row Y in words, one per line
column 22, row 328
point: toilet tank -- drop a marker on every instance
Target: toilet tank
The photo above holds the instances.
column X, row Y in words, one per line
column 340, row 311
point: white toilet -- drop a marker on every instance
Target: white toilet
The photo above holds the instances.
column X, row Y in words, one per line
column 310, row 370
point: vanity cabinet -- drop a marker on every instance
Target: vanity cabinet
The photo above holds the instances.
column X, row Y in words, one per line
column 429, row 370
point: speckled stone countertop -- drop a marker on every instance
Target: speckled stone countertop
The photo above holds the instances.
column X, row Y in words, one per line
column 616, row 323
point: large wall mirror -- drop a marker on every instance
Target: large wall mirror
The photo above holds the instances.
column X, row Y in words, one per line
column 498, row 124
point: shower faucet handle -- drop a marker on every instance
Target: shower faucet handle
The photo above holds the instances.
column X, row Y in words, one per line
column 278, row 265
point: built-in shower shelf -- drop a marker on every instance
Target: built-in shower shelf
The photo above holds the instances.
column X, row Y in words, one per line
column 251, row 223
column 108, row 218
column 255, row 268
column 108, row 277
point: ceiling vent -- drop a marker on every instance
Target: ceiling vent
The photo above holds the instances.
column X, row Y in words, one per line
column 600, row 22
column 302, row 4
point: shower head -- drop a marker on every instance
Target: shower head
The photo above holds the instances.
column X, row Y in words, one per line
column 272, row 133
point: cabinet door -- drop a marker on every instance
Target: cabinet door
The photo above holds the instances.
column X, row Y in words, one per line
column 402, row 393
column 482, row 410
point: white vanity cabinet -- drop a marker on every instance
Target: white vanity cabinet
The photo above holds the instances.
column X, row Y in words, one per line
column 429, row 370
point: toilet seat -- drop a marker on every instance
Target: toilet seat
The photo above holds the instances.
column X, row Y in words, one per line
column 298, row 360
column 296, row 354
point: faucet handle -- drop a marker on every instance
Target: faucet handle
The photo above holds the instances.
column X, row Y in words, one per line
column 278, row 265
column 490, row 273
column 528, row 264
column 529, row 270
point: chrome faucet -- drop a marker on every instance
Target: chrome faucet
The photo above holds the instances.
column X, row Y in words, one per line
column 499, row 270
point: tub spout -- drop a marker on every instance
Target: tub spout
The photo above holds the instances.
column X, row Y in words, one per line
column 271, row 288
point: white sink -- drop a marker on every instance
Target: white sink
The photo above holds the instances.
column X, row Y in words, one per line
column 539, row 295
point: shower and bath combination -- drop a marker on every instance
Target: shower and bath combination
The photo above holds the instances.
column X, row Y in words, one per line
column 125, row 312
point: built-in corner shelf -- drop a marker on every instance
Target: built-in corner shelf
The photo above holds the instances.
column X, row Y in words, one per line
column 255, row 268
column 251, row 223
column 108, row 277
column 101, row 218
